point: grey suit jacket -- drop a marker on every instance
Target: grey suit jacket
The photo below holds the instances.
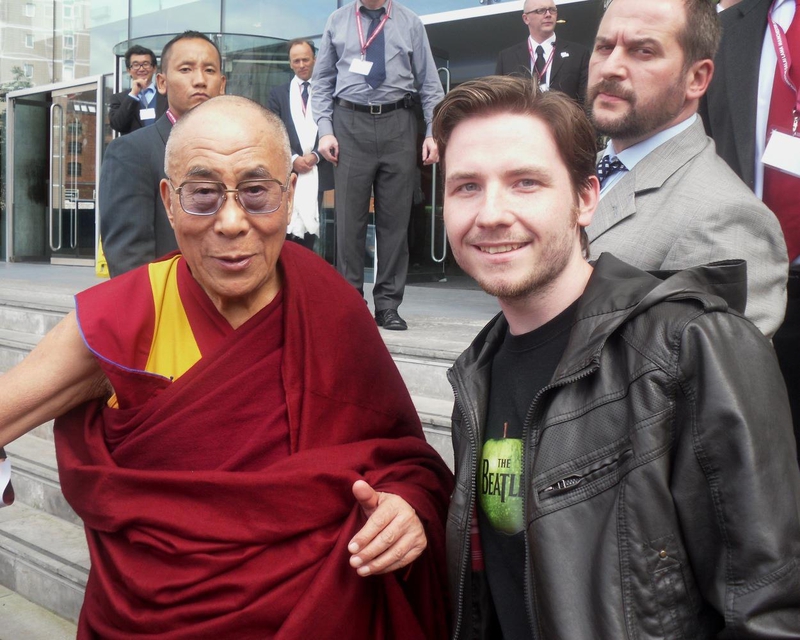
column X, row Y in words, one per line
column 729, row 106
column 682, row 206
column 133, row 223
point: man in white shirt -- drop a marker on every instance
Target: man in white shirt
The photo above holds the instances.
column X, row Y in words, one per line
column 291, row 102
column 667, row 200
column 556, row 63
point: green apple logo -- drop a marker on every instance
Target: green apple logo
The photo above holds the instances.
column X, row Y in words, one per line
column 499, row 489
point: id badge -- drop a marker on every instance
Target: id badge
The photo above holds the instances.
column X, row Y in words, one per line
column 783, row 152
column 147, row 114
column 544, row 87
column 361, row 67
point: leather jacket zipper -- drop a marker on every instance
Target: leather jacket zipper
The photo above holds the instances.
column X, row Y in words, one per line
column 585, row 476
column 472, row 434
column 526, row 447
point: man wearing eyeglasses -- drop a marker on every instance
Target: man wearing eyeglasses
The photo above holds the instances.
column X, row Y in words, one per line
column 233, row 432
column 556, row 64
column 143, row 104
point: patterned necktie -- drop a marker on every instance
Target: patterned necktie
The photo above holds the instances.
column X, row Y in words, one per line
column 304, row 95
column 608, row 167
column 143, row 99
column 539, row 65
column 376, row 52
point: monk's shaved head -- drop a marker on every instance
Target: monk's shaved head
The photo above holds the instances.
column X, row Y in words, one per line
column 225, row 109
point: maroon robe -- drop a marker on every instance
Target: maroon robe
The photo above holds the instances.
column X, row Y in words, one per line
column 194, row 537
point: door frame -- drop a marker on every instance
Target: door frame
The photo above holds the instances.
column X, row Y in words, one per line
column 51, row 89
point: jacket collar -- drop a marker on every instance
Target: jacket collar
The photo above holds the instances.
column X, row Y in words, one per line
column 649, row 173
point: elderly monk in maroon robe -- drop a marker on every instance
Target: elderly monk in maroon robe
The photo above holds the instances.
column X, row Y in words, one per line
column 232, row 430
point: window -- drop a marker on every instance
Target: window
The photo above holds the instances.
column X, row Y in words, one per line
column 69, row 42
column 75, row 147
column 68, row 11
column 28, row 70
column 74, row 169
column 75, row 128
column 30, row 10
column 29, row 40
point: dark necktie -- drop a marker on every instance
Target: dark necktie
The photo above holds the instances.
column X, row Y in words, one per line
column 608, row 167
column 539, row 65
column 376, row 52
column 304, row 95
column 781, row 189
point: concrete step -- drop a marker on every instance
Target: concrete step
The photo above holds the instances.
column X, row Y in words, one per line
column 434, row 414
column 27, row 320
column 35, row 477
column 44, row 559
column 21, row 619
column 14, row 346
column 39, row 296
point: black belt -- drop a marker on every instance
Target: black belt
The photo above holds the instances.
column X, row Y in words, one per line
column 374, row 109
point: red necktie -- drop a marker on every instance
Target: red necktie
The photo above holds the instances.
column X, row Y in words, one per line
column 781, row 190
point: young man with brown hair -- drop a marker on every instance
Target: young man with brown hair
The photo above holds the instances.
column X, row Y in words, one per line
column 617, row 472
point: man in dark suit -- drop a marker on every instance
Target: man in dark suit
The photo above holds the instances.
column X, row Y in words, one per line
column 133, row 224
column 746, row 100
column 143, row 104
column 558, row 64
column 291, row 103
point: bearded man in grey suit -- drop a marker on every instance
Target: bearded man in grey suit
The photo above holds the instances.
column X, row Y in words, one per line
column 667, row 200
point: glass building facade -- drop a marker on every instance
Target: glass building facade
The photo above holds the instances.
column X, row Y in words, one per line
column 60, row 51
column 51, row 41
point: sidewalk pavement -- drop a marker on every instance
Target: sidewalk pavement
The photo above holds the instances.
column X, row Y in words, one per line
column 23, row 620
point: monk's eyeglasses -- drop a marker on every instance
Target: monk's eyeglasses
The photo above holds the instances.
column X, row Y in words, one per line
column 205, row 198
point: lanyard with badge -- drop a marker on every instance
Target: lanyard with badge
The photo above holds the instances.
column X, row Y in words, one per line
column 146, row 112
column 543, row 74
column 363, row 66
column 783, row 148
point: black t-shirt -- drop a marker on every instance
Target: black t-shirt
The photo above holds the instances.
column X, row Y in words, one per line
column 522, row 366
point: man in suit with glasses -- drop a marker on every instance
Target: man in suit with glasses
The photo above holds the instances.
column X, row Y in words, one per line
column 557, row 64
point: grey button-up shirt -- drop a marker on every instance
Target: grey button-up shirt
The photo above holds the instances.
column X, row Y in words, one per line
column 410, row 67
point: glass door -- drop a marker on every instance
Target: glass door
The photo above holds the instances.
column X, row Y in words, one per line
column 26, row 177
column 72, row 201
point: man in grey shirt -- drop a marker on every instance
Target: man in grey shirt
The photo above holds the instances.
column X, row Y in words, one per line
column 374, row 56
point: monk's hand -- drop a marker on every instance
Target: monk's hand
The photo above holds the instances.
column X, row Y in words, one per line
column 392, row 537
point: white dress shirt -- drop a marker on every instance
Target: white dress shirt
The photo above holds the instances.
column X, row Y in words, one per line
column 631, row 156
column 548, row 46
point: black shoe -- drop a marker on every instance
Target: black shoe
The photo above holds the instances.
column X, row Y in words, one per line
column 389, row 319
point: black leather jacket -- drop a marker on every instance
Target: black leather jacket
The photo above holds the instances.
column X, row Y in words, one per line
column 664, row 441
